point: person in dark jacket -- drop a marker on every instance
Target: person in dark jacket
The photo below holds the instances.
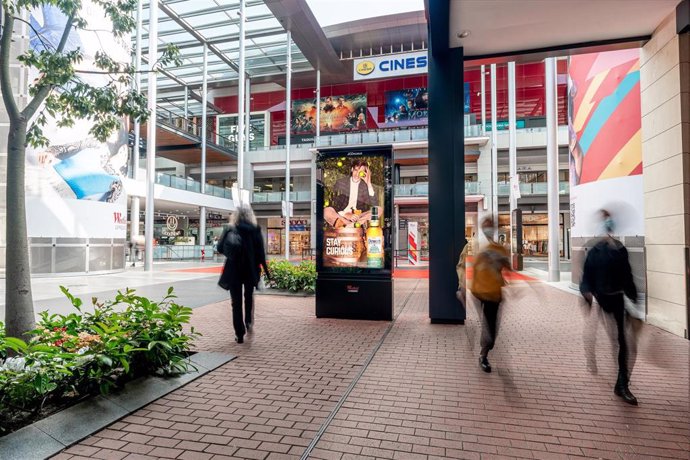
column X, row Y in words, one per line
column 243, row 246
column 607, row 277
column 352, row 193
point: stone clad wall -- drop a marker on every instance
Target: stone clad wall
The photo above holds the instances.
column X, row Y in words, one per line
column 665, row 86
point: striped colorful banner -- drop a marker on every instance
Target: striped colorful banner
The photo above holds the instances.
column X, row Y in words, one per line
column 604, row 116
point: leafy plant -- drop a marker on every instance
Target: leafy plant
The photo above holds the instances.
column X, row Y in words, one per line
column 293, row 278
column 82, row 353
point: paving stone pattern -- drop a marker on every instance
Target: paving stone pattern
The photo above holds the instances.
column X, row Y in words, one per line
column 423, row 395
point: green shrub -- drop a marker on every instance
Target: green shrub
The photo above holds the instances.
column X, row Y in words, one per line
column 293, row 278
column 82, row 353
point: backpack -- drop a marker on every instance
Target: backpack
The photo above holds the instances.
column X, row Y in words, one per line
column 232, row 245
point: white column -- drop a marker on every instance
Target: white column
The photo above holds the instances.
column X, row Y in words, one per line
column 135, row 208
column 288, row 116
column 512, row 141
column 186, row 105
column 317, row 139
column 151, row 134
column 318, row 108
column 494, row 147
column 240, row 103
column 247, row 118
column 483, row 97
column 204, row 141
column 552, row 169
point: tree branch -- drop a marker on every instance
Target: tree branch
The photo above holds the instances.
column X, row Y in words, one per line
column 38, row 34
column 5, row 81
column 42, row 93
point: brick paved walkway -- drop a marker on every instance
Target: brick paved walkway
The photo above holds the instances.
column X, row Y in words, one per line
column 422, row 395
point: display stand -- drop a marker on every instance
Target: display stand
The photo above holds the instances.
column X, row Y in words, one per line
column 354, row 216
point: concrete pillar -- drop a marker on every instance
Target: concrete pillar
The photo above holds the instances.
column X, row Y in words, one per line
column 553, row 199
column 665, row 102
column 446, row 168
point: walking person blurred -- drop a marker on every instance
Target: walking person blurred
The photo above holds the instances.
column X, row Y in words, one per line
column 607, row 277
column 461, row 270
column 487, row 284
column 243, row 247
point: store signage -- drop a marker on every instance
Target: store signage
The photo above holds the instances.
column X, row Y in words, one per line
column 392, row 65
column 170, row 226
column 503, row 125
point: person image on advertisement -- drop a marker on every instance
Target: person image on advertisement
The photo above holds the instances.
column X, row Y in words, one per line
column 607, row 277
column 487, row 286
column 353, row 197
column 243, row 246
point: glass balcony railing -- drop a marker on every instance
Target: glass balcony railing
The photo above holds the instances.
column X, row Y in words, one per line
column 536, row 188
column 377, row 137
column 422, row 189
column 191, row 185
column 277, row 197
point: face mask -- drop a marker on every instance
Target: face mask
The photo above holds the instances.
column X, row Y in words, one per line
column 488, row 233
column 608, row 225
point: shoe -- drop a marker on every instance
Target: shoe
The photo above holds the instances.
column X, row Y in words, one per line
column 624, row 392
column 249, row 327
column 239, row 339
column 484, row 364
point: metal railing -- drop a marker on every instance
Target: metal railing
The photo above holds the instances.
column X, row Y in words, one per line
column 277, row 197
column 194, row 127
column 191, row 185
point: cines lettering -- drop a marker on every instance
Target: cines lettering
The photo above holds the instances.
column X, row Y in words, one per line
column 403, row 64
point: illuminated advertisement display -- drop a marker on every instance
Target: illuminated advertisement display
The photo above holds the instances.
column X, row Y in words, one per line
column 354, row 211
column 337, row 114
column 393, row 65
column 407, row 107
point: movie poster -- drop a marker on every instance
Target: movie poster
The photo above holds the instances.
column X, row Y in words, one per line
column 74, row 185
column 407, row 107
column 354, row 212
column 337, row 114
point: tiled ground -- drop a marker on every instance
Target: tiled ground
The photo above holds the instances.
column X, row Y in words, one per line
column 422, row 396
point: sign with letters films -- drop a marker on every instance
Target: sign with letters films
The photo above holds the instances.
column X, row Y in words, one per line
column 392, row 65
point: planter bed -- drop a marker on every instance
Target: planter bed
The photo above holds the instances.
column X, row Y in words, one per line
column 54, row 433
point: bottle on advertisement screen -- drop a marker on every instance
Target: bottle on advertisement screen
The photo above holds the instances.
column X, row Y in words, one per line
column 374, row 241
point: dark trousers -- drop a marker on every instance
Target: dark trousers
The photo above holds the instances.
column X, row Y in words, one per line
column 489, row 326
column 614, row 307
column 238, row 321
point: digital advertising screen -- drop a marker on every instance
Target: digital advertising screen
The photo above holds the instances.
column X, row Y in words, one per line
column 407, row 107
column 337, row 114
column 354, row 211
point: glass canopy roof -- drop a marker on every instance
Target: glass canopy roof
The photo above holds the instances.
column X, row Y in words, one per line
column 190, row 23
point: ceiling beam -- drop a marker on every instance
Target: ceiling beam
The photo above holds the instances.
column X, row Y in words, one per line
column 185, row 25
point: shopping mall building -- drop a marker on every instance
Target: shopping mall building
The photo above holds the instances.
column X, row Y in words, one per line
column 366, row 82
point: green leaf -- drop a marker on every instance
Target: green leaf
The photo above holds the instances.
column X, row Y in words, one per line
column 15, row 344
column 105, row 360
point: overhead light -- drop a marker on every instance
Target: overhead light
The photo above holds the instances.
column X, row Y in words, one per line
column 464, row 34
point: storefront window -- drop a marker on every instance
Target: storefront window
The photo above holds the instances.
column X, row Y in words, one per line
column 300, row 236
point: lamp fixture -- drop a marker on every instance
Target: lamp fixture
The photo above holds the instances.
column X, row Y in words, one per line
column 464, row 34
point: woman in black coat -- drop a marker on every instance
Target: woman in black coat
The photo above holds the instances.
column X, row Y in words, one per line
column 243, row 247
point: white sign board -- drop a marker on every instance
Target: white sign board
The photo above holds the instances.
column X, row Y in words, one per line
column 392, row 65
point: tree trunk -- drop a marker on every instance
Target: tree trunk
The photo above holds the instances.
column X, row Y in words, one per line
column 19, row 306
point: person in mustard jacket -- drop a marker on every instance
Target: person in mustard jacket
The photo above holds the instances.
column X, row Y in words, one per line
column 487, row 285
